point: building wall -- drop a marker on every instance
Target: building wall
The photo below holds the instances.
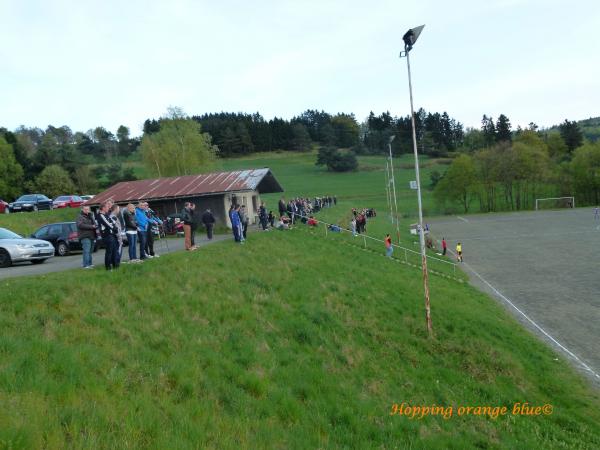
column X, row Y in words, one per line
column 250, row 198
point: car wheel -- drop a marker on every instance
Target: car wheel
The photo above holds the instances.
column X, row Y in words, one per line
column 37, row 261
column 35, row 208
column 5, row 260
column 62, row 249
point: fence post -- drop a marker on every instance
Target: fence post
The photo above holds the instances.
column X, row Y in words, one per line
column 405, row 257
column 365, row 239
column 454, row 268
column 325, row 230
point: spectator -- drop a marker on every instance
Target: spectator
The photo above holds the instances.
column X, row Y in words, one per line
column 282, row 207
column 262, row 216
column 272, row 219
column 353, row 226
column 114, row 216
column 153, row 226
column 142, row 227
column 86, row 227
column 187, row 216
column 234, row 216
column 444, row 246
column 108, row 230
column 244, row 221
column 131, row 230
column 312, row 222
column 389, row 249
column 209, row 222
column 459, row 255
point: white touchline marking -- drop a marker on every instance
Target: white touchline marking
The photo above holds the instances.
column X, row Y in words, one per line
column 503, row 297
column 463, row 219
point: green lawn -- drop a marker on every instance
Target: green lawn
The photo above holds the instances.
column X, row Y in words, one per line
column 290, row 341
column 25, row 223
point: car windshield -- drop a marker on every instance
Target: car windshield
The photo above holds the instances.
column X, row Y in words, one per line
column 7, row 234
column 26, row 198
column 62, row 198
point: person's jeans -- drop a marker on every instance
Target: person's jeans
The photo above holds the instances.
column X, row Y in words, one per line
column 389, row 251
column 86, row 245
column 132, row 240
column 142, row 237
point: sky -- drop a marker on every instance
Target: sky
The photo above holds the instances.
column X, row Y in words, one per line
column 87, row 63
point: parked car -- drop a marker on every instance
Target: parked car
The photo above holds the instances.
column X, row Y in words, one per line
column 3, row 207
column 85, row 198
column 67, row 201
column 63, row 236
column 30, row 202
column 15, row 248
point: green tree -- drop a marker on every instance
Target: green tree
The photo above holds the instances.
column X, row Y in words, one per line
column 346, row 130
column 85, row 181
column 585, row 169
column 300, row 138
column 557, row 148
column 489, row 130
column 459, row 182
column 179, row 148
column 53, row 181
column 503, row 129
column 325, row 155
column 342, row 161
column 571, row 134
column 11, row 172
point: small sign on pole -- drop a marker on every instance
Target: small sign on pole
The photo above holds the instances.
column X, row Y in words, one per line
column 413, row 185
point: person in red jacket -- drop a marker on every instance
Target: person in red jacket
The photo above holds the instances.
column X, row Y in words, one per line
column 389, row 249
column 444, row 246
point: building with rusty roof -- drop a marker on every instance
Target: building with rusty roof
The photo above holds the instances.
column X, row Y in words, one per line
column 217, row 191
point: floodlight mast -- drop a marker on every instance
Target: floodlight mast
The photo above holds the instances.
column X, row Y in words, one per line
column 410, row 38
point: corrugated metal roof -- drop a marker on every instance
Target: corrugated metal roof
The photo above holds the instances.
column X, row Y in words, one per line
column 190, row 185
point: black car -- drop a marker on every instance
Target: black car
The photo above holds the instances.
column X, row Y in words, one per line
column 63, row 236
column 30, row 202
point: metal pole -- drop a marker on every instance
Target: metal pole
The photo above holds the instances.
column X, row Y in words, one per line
column 394, row 189
column 421, row 235
column 387, row 190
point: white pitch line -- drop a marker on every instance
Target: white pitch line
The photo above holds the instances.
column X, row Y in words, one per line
column 507, row 300
column 463, row 219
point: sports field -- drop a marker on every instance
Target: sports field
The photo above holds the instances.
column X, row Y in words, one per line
column 547, row 264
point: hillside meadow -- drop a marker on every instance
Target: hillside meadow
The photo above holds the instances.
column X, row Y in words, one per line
column 290, row 341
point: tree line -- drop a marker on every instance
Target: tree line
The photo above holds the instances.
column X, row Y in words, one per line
column 59, row 161
column 501, row 169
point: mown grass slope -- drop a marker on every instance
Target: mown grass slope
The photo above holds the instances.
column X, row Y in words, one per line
column 25, row 223
column 289, row 341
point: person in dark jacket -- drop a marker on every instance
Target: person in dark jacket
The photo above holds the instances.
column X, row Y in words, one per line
column 131, row 230
column 282, row 207
column 262, row 216
column 86, row 228
column 209, row 222
column 108, row 230
column 153, row 223
column 271, row 218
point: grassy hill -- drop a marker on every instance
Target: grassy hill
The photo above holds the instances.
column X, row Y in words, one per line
column 289, row 341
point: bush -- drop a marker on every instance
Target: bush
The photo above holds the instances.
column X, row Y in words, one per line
column 343, row 162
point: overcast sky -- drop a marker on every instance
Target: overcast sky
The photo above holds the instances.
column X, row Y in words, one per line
column 85, row 64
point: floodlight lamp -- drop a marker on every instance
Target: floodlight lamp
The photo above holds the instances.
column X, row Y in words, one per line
column 411, row 36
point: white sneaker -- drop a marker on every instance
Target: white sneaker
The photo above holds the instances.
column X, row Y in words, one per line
column 156, row 255
column 149, row 256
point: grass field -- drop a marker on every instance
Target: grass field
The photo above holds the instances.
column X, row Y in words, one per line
column 25, row 223
column 286, row 342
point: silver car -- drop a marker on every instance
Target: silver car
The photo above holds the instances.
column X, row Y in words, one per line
column 14, row 248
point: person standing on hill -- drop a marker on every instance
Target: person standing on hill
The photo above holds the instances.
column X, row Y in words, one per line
column 389, row 249
column 187, row 216
column 131, row 231
column 262, row 216
column 235, row 223
column 244, row 220
column 142, row 226
column 459, row 255
column 282, row 206
column 108, row 230
column 271, row 218
column 209, row 222
column 86, row 228
column 444, row 246
column 114, row 216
